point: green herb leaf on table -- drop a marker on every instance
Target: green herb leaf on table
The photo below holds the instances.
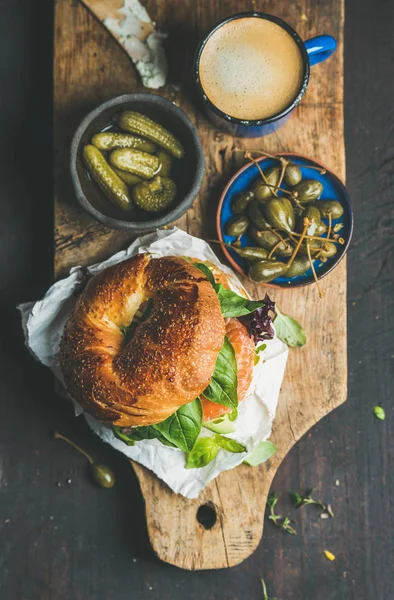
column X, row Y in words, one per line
column 278, row 520
column 379, row 412
column 183, row 427
column 203, row 452
column 262, row 452
column 289, row 330
column 233, row 305
column 224, row 383
column 265, row 597
column 299, row 500
column 229, row 444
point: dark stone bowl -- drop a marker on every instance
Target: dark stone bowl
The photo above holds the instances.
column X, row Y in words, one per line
column 188, row 172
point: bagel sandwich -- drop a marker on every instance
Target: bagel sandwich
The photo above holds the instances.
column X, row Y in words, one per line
column 161, row 347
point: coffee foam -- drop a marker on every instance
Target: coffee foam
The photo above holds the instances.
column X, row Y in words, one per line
column 251, row 68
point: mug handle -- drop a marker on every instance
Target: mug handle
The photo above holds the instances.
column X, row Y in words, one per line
column 319, row 48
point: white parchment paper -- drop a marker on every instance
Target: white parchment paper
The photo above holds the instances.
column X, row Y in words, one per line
column 43, row 323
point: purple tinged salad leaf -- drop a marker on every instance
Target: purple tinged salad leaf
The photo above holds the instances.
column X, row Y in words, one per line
column 259, row 322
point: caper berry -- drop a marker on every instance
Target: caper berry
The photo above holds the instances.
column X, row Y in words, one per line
column 279, row 213
column 292, row 175
column 103, row 475
column 241, row 201
column 307, row 190
column 266, row 270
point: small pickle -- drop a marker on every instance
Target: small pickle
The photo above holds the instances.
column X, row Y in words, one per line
column 330, row 206
column 252, row 253
column 135, row 161
column 263, row 191
column 237, row 225
column 139, row 124
column 300, row 266
column 165, row 163
column 292, row 175
column 266, row 270
column 241, row 201
column 127, row 177
column 313, row 215
column 113, row 187
column 154, row 195
column 109, row 140
column 268, row 240
column 256, row 216
column 307, row 190
column 279, row 213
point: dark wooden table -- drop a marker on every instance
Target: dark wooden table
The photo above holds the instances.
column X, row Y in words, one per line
column 72, row 541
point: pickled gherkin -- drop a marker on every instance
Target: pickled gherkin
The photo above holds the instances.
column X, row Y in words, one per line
column 113, row 187
column 165, row 163
column 127, row 177
column 109, row 140
column 135, row 161
column 135, row 122
column 154, row 195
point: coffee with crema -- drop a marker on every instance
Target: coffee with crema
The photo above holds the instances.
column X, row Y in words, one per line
column 251, row 68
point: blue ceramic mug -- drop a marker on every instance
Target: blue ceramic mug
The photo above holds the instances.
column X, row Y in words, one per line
column 312, row 52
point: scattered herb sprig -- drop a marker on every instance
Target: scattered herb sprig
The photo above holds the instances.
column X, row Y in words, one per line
column 299, row 500
column 265, row 597
column 379, row 412
column 279, row 520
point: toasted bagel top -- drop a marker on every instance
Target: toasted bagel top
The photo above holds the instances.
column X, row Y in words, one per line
column 171, row 357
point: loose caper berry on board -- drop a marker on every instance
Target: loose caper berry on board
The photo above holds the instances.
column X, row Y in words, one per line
column 101, row 474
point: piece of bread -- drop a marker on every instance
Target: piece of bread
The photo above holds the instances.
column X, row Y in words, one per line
column 171, row 357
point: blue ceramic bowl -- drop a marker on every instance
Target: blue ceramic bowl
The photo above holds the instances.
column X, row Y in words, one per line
column 333, row 189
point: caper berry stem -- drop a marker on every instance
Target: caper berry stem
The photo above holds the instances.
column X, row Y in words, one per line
column 313, row 270
column 274, row 188
column 329, row 224
column 284, row 164
column 307, row 223
column 270, row 255
column 321, row 170
column 276, row 232
column 314, row 237
column 59, row 436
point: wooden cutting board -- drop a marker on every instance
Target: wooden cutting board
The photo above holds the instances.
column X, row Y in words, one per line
column 91, row 67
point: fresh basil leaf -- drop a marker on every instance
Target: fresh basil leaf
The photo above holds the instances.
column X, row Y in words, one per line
column 229, row 444
column 262, row 452
column 204, row 451
column 136, row 434
column 183, row 427
column 233, row 305
column 289, row 330
column 224, row 383
column 122, row 436
column 207, row 272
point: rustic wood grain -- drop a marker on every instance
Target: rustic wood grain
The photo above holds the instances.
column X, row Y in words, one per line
column 90, row 67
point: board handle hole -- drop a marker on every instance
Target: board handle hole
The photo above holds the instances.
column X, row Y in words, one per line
column 206, row 515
